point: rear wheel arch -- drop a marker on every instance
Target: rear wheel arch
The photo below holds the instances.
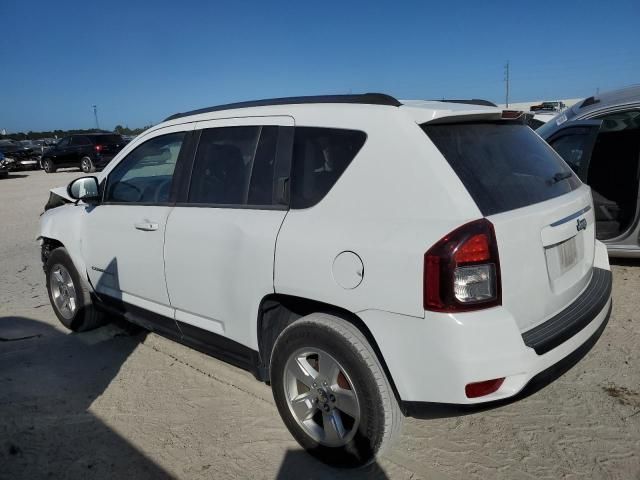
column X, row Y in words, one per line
column 278, row 311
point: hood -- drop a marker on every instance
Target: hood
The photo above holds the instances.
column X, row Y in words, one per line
column 57, row 197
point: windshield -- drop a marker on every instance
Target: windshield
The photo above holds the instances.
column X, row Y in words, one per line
column 503, row 165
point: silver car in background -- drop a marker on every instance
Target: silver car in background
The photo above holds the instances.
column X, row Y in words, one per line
column 599, row 138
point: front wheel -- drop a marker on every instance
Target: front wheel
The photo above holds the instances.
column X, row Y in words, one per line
column 332, row 392
column 69, row 294
column 86, row 165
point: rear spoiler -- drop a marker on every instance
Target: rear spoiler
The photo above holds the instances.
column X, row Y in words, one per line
column 473, row 101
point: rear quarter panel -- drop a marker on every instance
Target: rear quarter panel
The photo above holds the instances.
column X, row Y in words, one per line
column 397, row 198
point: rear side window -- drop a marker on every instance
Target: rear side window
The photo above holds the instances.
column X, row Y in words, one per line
column 107, row 139
column 80, row 141
column 503, row 165
column 320, row 156
column 234, row 166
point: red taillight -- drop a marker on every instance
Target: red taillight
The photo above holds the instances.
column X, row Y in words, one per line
column 476, row 249
column 462, row 270
column 480, row 389
column 98, row 148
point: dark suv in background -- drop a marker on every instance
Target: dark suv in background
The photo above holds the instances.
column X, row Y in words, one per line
column 89, row 152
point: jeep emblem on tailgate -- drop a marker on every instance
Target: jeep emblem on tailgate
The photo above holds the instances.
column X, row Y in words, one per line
column 582, row 224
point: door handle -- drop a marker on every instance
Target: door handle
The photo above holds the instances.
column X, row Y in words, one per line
column 146, row 226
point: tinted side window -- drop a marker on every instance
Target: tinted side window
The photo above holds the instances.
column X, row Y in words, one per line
column 145, row 175
column 571, row 148
column 234, row 166
column 80, row 141
column 63, row 143
column 615, row 122
column 107, row 139
column 320, row 156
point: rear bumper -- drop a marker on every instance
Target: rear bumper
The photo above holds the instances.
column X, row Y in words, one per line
column 575, row 317
column 427, row 410
column 27, row 163
column 432, row 359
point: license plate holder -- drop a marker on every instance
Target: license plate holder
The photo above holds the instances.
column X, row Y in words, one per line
column 567, row 253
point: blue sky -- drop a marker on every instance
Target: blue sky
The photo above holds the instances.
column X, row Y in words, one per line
column 142, row 62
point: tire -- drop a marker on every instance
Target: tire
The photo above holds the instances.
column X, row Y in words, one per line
column 64, row 285
column 374, row 418
column 48, row 166
column 86, row 165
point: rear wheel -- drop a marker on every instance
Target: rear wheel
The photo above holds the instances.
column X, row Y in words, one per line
column 86, row 165
column 48, row 166
column 69, row 294
column 332, row 392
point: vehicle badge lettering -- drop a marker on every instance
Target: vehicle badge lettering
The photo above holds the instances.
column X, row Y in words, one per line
column 581, row 224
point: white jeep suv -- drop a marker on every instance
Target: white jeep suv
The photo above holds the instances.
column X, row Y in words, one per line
column 370, row 259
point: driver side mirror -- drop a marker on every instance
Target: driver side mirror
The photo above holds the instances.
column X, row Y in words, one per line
column 85, row 189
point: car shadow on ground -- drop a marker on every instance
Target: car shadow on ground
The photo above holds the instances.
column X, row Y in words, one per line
column 625, row 262
column 12, row 176
column 299, row 464
column 48, row 380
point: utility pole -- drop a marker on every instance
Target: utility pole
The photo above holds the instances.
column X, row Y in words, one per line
column 506, row 81
column 95, row 114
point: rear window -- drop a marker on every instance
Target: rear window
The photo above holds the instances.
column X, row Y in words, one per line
column 107, row 139
column 503, row 165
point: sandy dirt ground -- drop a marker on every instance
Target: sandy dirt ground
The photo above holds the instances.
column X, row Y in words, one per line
column 119, row 403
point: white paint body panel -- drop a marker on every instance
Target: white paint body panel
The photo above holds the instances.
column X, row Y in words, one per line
column 388, row 221
column 523, row 234
column 219, row 265
column 432, row 359
column 121, row 259
column 210, row 267
column 219, row 261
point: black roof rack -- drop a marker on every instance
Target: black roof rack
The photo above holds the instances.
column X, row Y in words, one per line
column 364, row 98
column 473, row 101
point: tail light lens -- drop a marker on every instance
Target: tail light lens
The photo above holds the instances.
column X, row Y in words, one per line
column 462, row 270
column 98, row 148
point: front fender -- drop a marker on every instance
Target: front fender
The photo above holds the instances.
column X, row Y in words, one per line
column 63, row 225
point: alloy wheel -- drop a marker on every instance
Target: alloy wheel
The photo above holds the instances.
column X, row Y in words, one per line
column 321, row 397
column 63, row 291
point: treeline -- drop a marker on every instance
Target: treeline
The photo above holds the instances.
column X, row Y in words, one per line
column 30, row 135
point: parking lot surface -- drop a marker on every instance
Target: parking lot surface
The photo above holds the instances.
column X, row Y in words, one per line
column 119, row 403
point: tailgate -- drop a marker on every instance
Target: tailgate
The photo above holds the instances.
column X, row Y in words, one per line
column 546, row 255
column 542, row 214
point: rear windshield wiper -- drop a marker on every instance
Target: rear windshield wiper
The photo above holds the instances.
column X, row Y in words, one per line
column 558, row 177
